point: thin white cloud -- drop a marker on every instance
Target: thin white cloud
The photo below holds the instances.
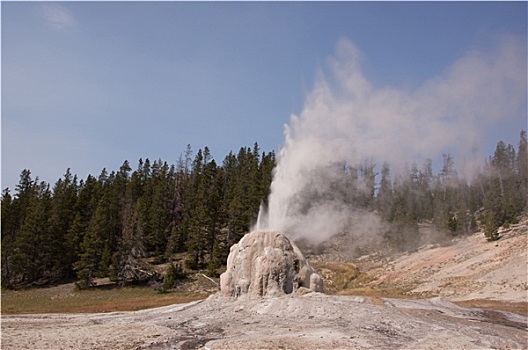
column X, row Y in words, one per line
column 57, row 16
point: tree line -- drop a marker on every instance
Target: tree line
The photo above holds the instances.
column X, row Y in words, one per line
column 495, row 195
column 106, row 226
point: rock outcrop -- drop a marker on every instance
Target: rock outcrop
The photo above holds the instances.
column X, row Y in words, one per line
column 267, row 264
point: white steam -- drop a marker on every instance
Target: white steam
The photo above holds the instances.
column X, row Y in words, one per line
column 346, row 120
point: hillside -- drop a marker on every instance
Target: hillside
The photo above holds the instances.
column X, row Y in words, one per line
column 467, row 268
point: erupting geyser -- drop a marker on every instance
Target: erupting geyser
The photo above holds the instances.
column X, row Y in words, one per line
column 348, row 121
column 267, row 264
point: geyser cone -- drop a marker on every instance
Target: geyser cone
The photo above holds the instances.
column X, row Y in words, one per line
column 267, row 263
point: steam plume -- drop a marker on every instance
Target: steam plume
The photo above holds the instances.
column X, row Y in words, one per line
column 346, row 120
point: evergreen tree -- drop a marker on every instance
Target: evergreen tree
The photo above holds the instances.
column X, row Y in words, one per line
column 203, row 215
column 94, row 243
column 14, row 213
column 367, row 185
column 86, row 203
column 180, row 184
column 445, row 196
column 127, row 261
column 522, row 173
column 404, row 231
column 215, row 214
column 425, row 195
column 385, row 199
column 156, row 216
column 174, row 273
column 267, row 164
column 62, row 217
column 500, row 199
column 232, row 196
column 9, row 229
column 253, row 190
column 33, row 247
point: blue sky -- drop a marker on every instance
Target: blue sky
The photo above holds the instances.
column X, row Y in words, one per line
column 86, row 85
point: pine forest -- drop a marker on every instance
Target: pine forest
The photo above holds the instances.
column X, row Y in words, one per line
column 110, row 225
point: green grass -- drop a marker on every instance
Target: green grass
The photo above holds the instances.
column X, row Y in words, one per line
column 66, row 299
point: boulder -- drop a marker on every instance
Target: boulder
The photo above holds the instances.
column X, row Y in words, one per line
column 267, row 264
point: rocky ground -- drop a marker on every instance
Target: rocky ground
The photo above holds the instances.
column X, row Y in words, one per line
column 435, row 276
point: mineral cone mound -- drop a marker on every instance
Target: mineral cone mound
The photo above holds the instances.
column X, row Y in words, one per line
column 267, row 264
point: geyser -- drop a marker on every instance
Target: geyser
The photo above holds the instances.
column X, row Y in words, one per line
column 347, row 121
column 267, row 264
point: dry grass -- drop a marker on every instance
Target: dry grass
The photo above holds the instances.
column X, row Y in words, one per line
column 348, row 279
column 339, row 277
column 65, row 299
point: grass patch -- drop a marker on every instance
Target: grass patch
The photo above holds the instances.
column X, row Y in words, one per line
column 347, row 279
column 66, row 299
column 340, row 276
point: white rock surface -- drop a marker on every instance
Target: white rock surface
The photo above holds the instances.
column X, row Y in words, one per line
column 312, row 321
column 267, row 264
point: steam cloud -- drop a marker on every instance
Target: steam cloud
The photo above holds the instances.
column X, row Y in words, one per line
column 346, row 120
